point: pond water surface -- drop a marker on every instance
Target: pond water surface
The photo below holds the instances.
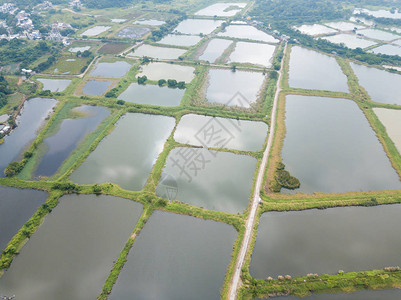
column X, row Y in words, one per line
column 72, row 252
column 33, row 116
column 150, row 22
column 159, row 70
column 391, row 119
column 16, row 208
column 158, row 52
column 133, row 32
column 336, row 150
column 349, row 40
column 315, row 29
column 174, row 260
column 126, row 156
column 307, row 71
column 247, row 32
column 326, row 241
column 387, row 49
column 221, row 133
column 152, row 95
column 381, row 85
column 221, row 9
column 115, row 70
column 95, row 30
column 69, row 135
column 220, row 181
column 214, row 50
column 378, row 34
column 197, row 26
column 253, row 53
column 180, row 40
column 239, row 88
column 54, row 85
column 96, row 87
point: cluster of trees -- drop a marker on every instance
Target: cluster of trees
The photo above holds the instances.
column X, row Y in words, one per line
column 167, row 27
column 382, row 21
column 106, row 3
column 23, row 52
column 46, row 64
column 283, row 179
column 4, row 91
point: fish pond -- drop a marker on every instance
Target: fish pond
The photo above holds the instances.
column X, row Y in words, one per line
column 253, row 53
column 94, row 31
column 247, row 32
column 96, row 87
column 221, row 9
column 70, row 133
column 152, row 95
column 113, row 69
column 214, row 49
column 197, row 26
column 33, row 116
column 382, row 86
column 349, row 40
column 239, row 88
column 378, row 34
column 387, row 49
column 217, row 132
column 54, row 85
column 174, row 260
column 159, row 70
column 326, row 241
column 315, row 29
column 306, row 71
column 126, row 156
column 220, row 181
column 336, row 151
column 16, row 208
column 180, row 40
column 133, row 32
column 158, row 52
column 391, row 119
column 72, row 252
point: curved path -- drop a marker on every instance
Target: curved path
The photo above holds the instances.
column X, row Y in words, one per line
column 236, row 280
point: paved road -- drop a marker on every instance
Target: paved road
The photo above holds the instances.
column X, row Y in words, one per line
column 236, row 281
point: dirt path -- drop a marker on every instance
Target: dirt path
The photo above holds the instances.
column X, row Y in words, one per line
column 236, row 280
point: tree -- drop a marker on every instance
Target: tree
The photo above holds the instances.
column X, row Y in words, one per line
column 161, row 82
column 172, row 83
column 142, row 80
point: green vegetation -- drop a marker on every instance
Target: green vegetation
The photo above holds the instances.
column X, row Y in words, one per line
column 4, row 91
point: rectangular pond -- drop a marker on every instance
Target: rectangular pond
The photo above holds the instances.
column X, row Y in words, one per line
column 326, row 241
column 152, row 95
column 96, row 87
column 54, row 85
column 315, row 29
column 336, row 150
column 378, row 34
column 126, row 156
column 253, row 53
column 344, row 26
column 387, row 49
column 214, row 50
column 157, row 52
column 70, row 133
column 80, row 49
column 247, row 32
column 211, row 132
column 227, row 9
column 179, row 257
column 72, row 252
column 239, row 88
column 115, row 69
column 391, row 119
column 382, row 86
column 313, row 70
column 150, row 22
column 220, row 181
column 381, row 13
column 16, row 208
column 33, row 116
column 197, row 26
column 96, row 30
column 133, row 32
column 349, row 40
column 159, row 70
column 180, row 40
